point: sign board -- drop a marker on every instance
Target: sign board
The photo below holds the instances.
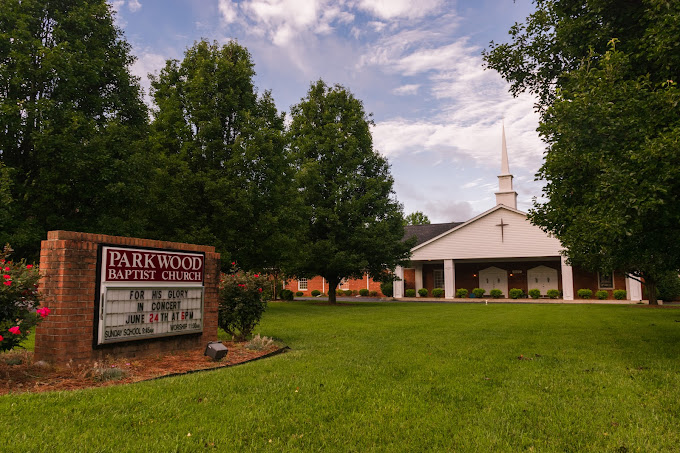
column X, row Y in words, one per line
column 146, row 293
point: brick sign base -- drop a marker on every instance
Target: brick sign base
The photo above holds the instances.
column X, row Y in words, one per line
column 68, row 264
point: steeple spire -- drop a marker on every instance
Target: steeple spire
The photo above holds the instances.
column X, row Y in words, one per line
column 505, row 195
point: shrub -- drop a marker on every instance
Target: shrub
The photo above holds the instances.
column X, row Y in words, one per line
column 410, row 292
column 668, row 287
column 495, row 293
column 584, row 293
column 620, row 294
column 438, row 292
column 348, row 292
column 287, row 294
column 461, row 293
column 243, row 300
column 373, row 294
column 535, row 293
column 516, row 293
column 602, row 295
column 316, row 292
column 423, row 292
column 299, row 294
column 19, row 301
column 363, row 292
column 553, row 293
column 387, row 288
column 478, row 292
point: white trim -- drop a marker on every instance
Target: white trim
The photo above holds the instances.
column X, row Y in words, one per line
column 303, row 284
column 419, row 278
column 398, row 285
column 449, row 279
column 567, row 280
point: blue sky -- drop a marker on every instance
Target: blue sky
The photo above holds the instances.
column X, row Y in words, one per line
column 416, row 65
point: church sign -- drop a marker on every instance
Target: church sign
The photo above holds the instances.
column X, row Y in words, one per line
column 148, row 293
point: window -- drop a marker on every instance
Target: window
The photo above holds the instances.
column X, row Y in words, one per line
column 344, row 283
column 605, row 281
column 302, row 284
column 439, row 278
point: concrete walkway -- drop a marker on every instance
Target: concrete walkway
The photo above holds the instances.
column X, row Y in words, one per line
column 473, row 300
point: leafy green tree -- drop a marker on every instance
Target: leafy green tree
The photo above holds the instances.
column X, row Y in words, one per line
column 224, row 174
column 604, row 73
column 71, row 120
column 354, row 223
column 417, row 218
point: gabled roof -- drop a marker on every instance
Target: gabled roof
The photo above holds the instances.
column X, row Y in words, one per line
column 436, row 233
column 426, row 232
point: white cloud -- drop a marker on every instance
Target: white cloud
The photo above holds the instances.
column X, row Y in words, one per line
column 147, row 63
column 134, row 5
column 406, row 90
column 228, row 11
column 393, row 9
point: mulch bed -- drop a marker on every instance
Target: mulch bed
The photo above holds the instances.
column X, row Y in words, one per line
column 19, row 373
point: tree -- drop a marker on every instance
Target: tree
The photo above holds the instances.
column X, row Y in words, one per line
column 604, row 76
column 355, row 224
column 71, row 120
column 417, row 218
column 224, row 147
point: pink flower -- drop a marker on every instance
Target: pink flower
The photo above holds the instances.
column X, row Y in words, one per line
column 29, row 266
column 43, row 312
column 8, row 282
column 15, row 330
column 233, row 263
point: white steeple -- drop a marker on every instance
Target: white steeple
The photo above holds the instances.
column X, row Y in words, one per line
column 505, row 195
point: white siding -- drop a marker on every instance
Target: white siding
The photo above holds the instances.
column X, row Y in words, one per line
column 481, row 238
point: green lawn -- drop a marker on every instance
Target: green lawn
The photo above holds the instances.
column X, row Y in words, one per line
column 396, row 377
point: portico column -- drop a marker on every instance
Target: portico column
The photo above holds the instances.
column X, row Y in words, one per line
column 567, row 280
column 449, row 279
column 398, row 287
column 419, row 278
column 634, row 289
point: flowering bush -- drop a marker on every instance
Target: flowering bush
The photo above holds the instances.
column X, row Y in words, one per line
column 19, row 301
column 243, row 300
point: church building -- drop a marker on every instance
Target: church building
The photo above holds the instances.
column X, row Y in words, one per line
column 499, row 249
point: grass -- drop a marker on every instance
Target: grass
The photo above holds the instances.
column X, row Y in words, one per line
column 396, row 377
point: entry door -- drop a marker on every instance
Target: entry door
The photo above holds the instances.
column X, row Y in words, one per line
column 543, row 278
column 494, row 278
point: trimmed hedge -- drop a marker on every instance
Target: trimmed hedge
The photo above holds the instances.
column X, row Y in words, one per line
column 410, row 292
column 535, row 293
column 620, row 294
column 287, row 294
column 438, row 292
column 316, row 292
column 553, row 294
column 585, row 293
column 299, row 294
column 387, row 288
column 461, row 293
column 516, row 293
column 602, row 295
column 496, row 293
column 478, row 292
column 423, row 292
column 363, row 292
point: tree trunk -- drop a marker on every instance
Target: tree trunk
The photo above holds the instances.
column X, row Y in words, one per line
column 332, row 287
column 651, row 291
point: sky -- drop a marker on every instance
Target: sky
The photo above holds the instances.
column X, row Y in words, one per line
column 416, row 66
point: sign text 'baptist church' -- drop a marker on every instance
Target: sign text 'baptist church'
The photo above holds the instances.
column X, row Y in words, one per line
column 149, row 293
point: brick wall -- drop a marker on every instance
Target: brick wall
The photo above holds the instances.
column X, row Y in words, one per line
column 319, row 284
column 68, row 263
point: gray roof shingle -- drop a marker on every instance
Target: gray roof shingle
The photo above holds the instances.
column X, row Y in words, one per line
column 426, row 232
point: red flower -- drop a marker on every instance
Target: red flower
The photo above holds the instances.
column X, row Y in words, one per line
column 8, row 282
column 259, row 289
column 1, row 338
column 43, row 312
column 233, row 263
column 28, row 266
column 7, row 276
column 256, row 275
column 7, row 269
column 15, row 330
